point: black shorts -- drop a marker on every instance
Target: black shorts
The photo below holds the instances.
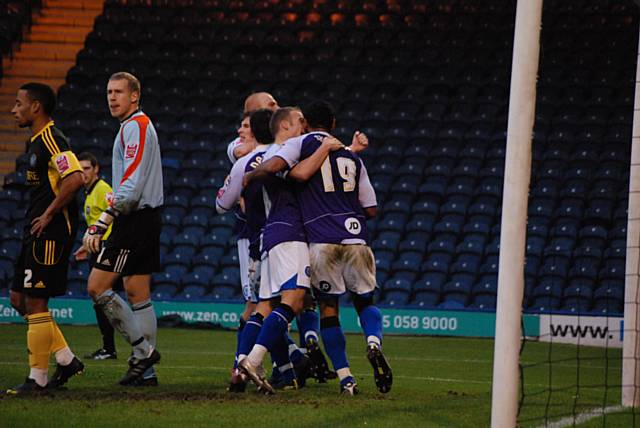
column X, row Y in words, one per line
column 41, row 269
column 133, row 248
column 117, row 285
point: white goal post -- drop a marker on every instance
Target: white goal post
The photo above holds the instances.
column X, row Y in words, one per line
column 631, row 340
column 517, row 175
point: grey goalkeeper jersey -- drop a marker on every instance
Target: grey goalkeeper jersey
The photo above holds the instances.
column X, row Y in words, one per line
column 136, row 167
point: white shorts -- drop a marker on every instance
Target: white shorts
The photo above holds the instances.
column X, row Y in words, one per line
column 285, row 267
column 249, row 272
column 337, row 268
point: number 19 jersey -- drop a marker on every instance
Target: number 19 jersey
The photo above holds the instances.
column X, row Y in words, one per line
column 332, row 201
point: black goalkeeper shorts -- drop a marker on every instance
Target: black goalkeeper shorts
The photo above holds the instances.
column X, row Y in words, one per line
column 133, row 248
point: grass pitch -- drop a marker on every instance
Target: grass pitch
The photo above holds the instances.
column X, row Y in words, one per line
column 438, row 382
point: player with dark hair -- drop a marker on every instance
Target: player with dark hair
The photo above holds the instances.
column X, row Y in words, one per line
column 98, row 195
column 54, row 176
column 255, row 101
column 335, row 202
column 132, row 251
column 228, row 198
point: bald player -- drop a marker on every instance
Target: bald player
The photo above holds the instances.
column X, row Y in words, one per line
column 256, row 101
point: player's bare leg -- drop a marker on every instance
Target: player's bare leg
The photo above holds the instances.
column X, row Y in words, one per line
column 123, row 319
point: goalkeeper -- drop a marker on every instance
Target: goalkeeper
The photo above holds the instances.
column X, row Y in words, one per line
column 132, row 251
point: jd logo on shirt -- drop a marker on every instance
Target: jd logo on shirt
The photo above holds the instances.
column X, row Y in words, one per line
column 352, row 225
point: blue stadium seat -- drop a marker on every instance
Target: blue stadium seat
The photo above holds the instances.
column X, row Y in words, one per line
column 217, row 237
column 540, row 208
column 194, row 293
column 612, row 253
column 450, row 225
column 176, row 263
column 384, row 259
column 427, row 207
column 221, row 220
column 456, row 205
column 437, row 262
column 577, row 297
column 609, row 298
column 408, row 261
column 421, row 224
column 592, row 236
column 442, row 244
column 458, row 289
column 163, row 292
column 415, row 241
column 433, row 186
column 225, row 294
column 466, row 263
column 565, row 229
column 395, row 298
column 482, row 209
column 478, row 226
column 230, row 260
column 393, row 222
column 386, row 240
column 613, row 269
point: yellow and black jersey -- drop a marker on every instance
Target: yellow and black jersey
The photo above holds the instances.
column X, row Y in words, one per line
column 99, row 196
column 51, row 160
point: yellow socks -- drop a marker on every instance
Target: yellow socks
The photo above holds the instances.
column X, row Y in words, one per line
column 39, row 339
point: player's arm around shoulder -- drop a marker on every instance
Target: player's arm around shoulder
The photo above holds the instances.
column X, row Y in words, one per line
column 304, row 170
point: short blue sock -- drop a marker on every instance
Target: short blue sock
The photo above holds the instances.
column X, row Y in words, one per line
column 335, row 344
column 371, row 322
column 250, row 334
column 346, row 380
column 280, row 357
column 308, row 324
column 295, row 354
column 238, row 338
column 275, row 326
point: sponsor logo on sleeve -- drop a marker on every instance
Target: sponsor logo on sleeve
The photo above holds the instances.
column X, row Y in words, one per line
column 130, row 151
column 62, row 163
column 109, row 197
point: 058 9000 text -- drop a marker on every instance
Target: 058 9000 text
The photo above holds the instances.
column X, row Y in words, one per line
column 414, row 322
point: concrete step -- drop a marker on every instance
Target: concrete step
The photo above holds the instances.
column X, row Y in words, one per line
column 56, row 38
column 8, row 127
column 75, row 4
column 14, row 146
column 55, row 69
column 10, row 85
column 8, row 156
column 43, row 51
column 67, row 12
column 58, row 29
column 79, row 20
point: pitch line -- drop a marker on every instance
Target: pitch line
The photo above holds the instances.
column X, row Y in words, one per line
column 583, row 417
column 394, row 358
column 226, row 369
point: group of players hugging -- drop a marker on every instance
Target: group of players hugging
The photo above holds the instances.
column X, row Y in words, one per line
column 301, row 200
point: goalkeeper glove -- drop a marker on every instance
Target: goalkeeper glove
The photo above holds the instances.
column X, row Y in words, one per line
column 93, row 236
